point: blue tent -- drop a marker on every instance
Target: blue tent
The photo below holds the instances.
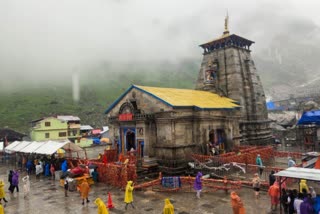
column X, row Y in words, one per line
column 310, row 117
column 96, row 140
column 270, row 105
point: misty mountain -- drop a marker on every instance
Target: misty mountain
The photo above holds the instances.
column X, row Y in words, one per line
column 290, row 65
column 98, row 89
column 287, row 63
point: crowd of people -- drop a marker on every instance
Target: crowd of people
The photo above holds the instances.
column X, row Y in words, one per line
column 300, row 200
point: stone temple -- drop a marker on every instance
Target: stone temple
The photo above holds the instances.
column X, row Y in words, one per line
column 226, row 108
column 228, row 69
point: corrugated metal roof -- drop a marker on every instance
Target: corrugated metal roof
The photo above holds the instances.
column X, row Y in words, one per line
column 187, row 98
column 86, row 127
column 300, row 173
column 68, row 118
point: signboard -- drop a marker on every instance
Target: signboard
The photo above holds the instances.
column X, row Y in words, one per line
column 125, row 117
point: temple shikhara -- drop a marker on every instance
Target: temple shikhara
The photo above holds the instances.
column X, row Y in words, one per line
column 228, row 69
column 226, row 109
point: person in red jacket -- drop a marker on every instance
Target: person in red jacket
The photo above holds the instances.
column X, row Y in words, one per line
column 274, row 193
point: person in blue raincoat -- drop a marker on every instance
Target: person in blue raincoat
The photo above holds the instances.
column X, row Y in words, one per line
column 260, row 164
column 47, row 170
column 29, row 167
column 95, row 175
column 64, row 166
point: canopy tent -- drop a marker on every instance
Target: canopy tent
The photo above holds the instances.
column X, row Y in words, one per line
column 31, row 147
column 310, row 117
column 45, row 148
column 300, row 173
column 16, row 146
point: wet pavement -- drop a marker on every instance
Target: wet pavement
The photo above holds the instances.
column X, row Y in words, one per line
column 47, row 196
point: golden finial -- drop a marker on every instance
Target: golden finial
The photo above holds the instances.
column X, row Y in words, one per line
column 226, row 23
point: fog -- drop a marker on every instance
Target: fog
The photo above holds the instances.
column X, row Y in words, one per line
column 49, row 40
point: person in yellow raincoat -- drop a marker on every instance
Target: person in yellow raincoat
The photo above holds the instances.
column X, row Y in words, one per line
column 102, row 209
column 1, row 209
column 303, row 185
column 128, row 197
column 2, row 192
column 168, row 207
column 84, row 190
column 236, row 204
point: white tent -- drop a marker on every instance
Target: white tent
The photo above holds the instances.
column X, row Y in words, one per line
column 300, row 173
column 45, row 147
column 16, row 146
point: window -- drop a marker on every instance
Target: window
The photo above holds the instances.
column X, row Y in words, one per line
column 62, row 134
column 210, row 74
column 47, row 124
column 47, row 135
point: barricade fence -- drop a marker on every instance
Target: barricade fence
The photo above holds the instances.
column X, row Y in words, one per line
column 241, row 163
column 187, row 184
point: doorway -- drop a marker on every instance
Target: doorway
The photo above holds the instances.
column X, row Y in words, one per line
column 130, row 140
column 140, row 148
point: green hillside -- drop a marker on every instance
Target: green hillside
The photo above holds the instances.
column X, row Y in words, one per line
column 99, row 88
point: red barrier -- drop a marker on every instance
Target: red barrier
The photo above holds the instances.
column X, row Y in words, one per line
column 248, row 156
column 209, row 185
column 284, row 154
column 116, row 174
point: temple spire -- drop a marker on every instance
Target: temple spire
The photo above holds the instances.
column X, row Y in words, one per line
column 226, row 25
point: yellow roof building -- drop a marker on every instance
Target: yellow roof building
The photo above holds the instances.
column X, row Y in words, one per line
column 184, row 98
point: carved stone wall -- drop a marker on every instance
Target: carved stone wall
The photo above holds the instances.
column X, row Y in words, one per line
column 171, row 135
column 237, row 79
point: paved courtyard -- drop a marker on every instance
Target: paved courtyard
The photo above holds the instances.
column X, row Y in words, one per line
column 48, row 197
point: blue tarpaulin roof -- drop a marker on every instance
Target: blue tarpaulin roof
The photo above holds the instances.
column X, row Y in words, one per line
column 270, row 105
column 273, row 106
column 310, row 117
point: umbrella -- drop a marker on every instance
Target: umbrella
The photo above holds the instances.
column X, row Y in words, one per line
column 105, row 140
column 61, row 151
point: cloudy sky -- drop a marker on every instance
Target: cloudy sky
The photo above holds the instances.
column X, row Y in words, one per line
column 54, row 37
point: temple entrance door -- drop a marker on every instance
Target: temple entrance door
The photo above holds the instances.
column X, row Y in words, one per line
column 130, row 140
column 140, row 149
column 221, row 138
column 211, row 136
column 212, row 147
